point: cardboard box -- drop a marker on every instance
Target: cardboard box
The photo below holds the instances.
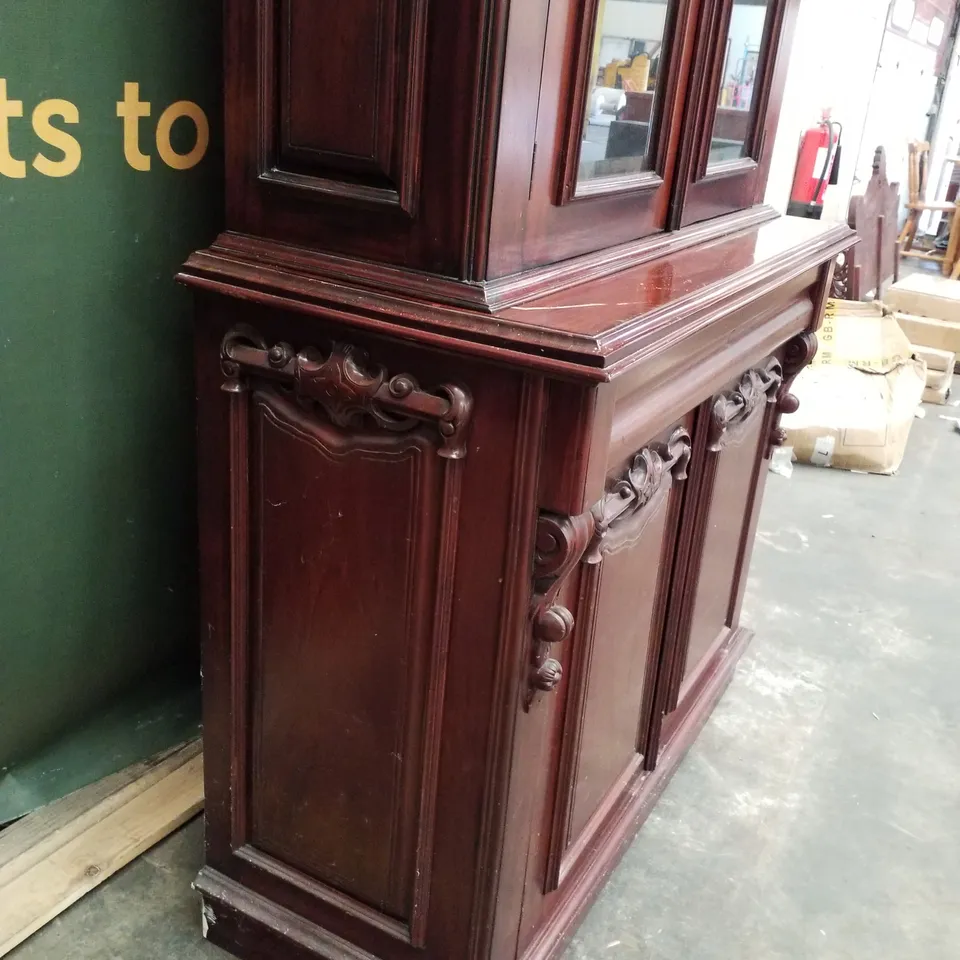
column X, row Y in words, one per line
column 926, row 332
column 926, row 295
column 859, row 397
column 939, row 385
column 940, row 365
column 936, row 360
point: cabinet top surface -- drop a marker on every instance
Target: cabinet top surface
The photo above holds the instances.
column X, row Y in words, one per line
column 582, row 330
column 700, row 274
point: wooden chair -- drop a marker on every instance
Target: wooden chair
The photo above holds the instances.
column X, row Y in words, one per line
column 919, row 163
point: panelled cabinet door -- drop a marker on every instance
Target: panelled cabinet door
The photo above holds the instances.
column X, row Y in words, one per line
column 340, row 621
column 734, row 435
column 342, row 119
column 615, row 648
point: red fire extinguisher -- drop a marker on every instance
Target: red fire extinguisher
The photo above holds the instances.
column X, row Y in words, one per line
column 818, row 166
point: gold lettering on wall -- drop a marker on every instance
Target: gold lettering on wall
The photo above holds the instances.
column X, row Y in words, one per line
column 56, row 138
column 9, row 167
column 182, row 161
column 131, row 110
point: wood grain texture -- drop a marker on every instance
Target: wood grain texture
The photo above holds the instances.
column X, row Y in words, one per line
column 32, row 838
column 628, row 314
column 364, row 145
column 109, row 835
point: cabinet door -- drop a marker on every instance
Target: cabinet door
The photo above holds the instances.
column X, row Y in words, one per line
column 600, row 169
column 736, row 91
column 734, row 433
column 615, row 649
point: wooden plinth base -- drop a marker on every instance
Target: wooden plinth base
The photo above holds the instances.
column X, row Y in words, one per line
column 241, row 921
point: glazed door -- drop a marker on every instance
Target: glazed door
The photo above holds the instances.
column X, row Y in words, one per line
column 733, row 108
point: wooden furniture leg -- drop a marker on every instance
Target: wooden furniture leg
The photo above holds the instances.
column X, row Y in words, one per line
column 953, row 248
column 909, row 232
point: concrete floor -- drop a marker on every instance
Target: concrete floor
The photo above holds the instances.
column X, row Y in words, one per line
column 818, row 815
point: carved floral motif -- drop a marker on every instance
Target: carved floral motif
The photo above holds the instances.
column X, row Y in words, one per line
column 646, row 476
column 352, row 391
column 733, row 408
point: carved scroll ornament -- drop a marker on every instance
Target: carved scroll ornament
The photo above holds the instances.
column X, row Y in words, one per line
column 733, row 408
column 646, row 476
column 560, row 545
column 798, row 353
column 840, row 286
column 349, row 388
column 562, row 542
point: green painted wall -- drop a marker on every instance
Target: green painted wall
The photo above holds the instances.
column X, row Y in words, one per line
column 97, row 570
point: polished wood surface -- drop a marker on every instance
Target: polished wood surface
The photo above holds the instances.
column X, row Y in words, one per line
column 482, row 445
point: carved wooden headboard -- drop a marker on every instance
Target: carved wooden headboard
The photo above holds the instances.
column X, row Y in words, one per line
column 867, row 269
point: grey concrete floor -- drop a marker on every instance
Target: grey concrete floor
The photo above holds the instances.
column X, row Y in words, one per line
column 818, row 815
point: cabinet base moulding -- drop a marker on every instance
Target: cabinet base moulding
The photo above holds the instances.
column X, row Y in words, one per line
column 240, row 920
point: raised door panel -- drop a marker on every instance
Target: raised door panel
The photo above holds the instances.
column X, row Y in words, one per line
column 624, row 581
column 732, row 491
column 735, row 432
column 358, row 66
column 338, row 610
column 340, row 621
column 342, row 88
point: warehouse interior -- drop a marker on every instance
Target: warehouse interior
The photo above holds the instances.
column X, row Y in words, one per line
column 812, row 817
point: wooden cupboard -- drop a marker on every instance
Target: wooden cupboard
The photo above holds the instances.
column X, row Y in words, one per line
column 490, row 360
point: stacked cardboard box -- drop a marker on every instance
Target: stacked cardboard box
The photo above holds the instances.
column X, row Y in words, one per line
column 928, row 309
column 859, row 397
column 940, row 364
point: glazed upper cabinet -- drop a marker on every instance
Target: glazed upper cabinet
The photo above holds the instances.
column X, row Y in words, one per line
column 639, row 116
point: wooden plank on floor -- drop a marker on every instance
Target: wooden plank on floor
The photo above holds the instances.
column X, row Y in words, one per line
column 115, row 831
column 29, row 840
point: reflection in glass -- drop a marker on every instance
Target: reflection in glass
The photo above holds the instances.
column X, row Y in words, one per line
column 621, row 102
column 735, row 110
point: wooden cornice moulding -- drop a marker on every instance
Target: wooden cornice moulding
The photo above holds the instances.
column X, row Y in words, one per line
column 538, row 334
column 350, row 389
column 483, row 296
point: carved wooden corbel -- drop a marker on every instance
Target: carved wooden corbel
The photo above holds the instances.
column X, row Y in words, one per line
column 798, row 354
column 732, row 409
column 560, row 545
column 563, row 542
column 349, row 388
